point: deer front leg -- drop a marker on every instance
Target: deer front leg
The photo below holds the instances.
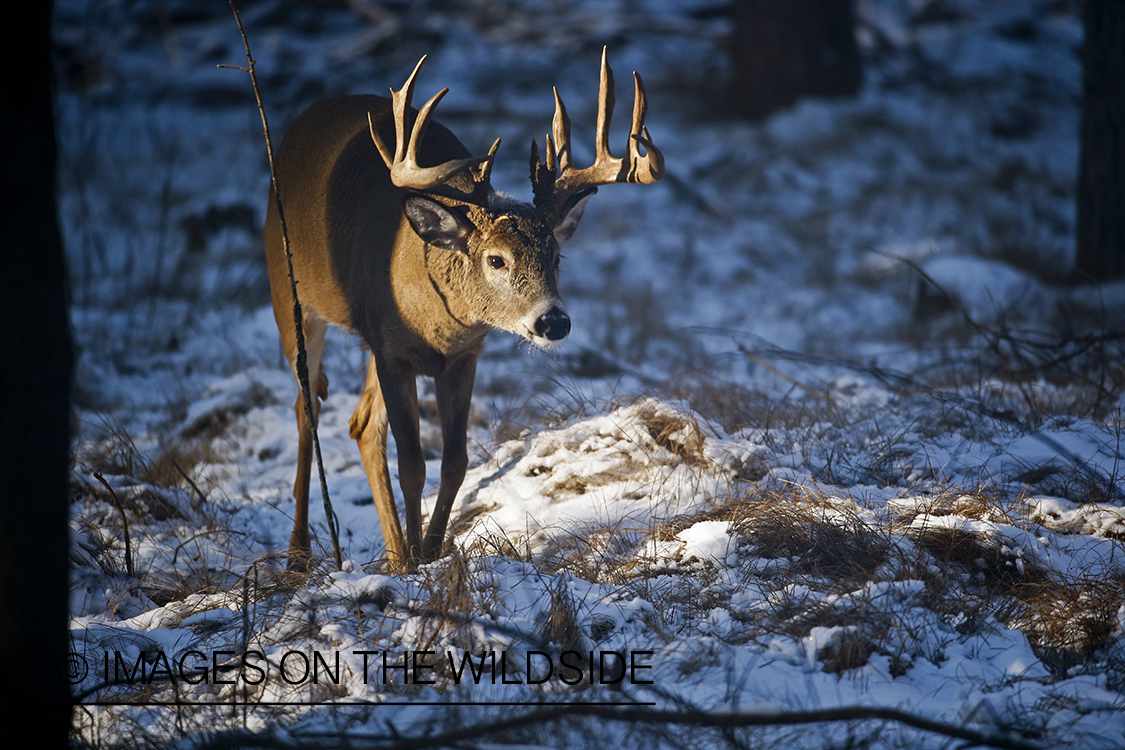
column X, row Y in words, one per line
column 400, row 397
column 454, row 391
column 369, row 428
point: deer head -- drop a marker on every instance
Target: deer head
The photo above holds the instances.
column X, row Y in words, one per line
column 501, row 254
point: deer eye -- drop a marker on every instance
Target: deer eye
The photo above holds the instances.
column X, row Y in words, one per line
column 496, row 262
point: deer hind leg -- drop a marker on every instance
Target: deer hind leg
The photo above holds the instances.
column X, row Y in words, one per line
column 314, row 328
column 369, row 428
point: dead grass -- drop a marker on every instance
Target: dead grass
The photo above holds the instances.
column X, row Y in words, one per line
column 981, row 503
column 164, row 508
column 818, row 535
column 678, row 434
column 803, row 539
column 528, row 410
column 110, row 451
column 454, row 595
column 560, row 625
column 736, row 407
column 797, row 539
column 595, row 552
column 1068, row 623
column 850, row 649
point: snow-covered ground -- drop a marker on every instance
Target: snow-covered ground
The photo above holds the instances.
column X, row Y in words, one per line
column 829, row 431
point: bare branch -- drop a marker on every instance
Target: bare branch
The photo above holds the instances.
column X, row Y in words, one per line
column 124, row 526
column 298, row 318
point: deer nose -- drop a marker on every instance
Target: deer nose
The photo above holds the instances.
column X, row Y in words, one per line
column 553, row 324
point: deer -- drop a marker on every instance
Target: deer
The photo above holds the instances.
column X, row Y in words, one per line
column 414, row 251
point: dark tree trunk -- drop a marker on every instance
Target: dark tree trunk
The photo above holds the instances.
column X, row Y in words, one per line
column 786, row 49
column 1101, row 171
column 35, row 362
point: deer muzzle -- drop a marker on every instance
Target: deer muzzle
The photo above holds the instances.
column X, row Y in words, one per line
column 553, row 325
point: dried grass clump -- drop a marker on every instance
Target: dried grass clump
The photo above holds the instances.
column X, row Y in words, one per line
column 983, row 559
column 982, row 504
column 111, row 451
column 451, row 591
column 676, row 433
column 731, row 405
column 819, row 537
column 208, row 574
column 736, row 407
column 596, row 553
column 850, row 649
column 1070, row 622
column 579, row 484
column 559, row 625
column 456, row 592
column 528, row 410
column 1074, row 484
column 731, row 509
column 1067, row 622
column 155, row 502
column 173, row 465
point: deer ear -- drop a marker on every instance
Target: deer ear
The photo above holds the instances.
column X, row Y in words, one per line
column 570, row 214
column 435, row 223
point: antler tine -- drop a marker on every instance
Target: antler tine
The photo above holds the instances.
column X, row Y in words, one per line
column 552, row 156
column 401, row 102
column 388, row 157
column 400, row 105
column 404, row 168
column 485, row 171
column 542, row 175
column 418, row 132
column 606, row 101
column 649, row 168
column 560, row 127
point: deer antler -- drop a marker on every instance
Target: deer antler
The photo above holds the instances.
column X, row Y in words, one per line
column 403, row 165
column 556, row 179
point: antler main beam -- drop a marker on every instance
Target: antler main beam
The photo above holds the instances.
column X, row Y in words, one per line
column 403, row 164
column 636, row 168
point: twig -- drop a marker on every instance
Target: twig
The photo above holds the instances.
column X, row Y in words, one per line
column 193, row 537
column 1043, row 356
column 124, row 525
column 753, row 356
column 298, row 318
column 192, row 484
column 952, row 300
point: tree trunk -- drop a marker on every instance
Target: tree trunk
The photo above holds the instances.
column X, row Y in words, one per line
column 1101, row 170
column 786, row 49
column 35, row 362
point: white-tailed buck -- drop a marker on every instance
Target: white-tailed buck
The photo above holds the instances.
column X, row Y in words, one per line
column 414, row 251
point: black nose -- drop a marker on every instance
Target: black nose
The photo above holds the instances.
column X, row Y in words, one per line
column 553, row 325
